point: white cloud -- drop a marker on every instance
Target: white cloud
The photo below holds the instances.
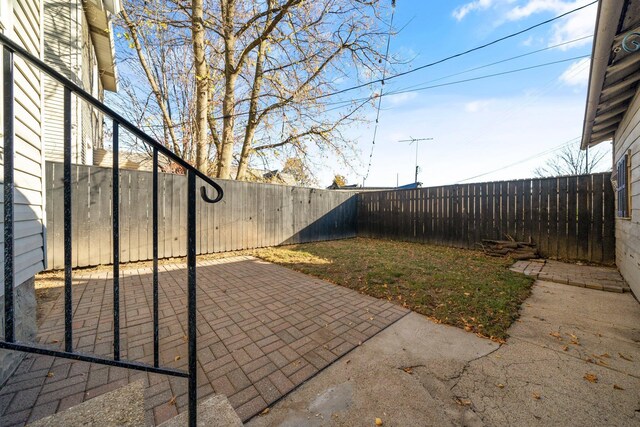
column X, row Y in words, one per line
column 399, row 99
column 478, row 106
column 461, row 11
column 573, row 26
column 577, row 74
column 576, row 25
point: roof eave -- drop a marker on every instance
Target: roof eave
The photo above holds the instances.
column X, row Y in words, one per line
column 101, row 30
column 607, row 21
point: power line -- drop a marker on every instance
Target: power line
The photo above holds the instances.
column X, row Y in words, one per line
column 504, row 60
column 457, row 55
column 348, row 89
column 486, row 76
column 546, row 64
column 543, row 153
column 384, row 72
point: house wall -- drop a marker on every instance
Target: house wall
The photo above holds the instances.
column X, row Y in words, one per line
column 22, row 22
column 69, row 49
column 627, row 139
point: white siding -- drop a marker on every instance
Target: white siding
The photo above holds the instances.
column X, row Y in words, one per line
column 26, row 30
column 627, row 139
column 69, row 49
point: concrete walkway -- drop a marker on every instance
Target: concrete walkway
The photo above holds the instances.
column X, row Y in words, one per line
column 573, row 359
column 262, row 330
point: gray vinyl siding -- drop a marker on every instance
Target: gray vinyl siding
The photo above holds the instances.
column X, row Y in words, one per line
column 627, row 140
column 26, row 30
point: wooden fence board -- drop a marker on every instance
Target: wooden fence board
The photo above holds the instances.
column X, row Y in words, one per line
column 554, row 213
column 568, row 218
column 250, row 215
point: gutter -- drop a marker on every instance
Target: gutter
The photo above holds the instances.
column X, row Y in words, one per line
column 608, row 19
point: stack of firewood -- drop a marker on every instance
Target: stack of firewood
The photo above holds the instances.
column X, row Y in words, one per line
column 513, row 249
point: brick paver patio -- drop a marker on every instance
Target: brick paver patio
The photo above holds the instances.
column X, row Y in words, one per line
column 598, row 277
column 262, row 330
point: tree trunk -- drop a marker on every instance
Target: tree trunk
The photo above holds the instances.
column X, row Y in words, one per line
column 252, row 122
column 202, row 84
column 225, row 156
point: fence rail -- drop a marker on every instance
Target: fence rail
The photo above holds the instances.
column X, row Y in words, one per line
column 251, row 215
column 567, row 217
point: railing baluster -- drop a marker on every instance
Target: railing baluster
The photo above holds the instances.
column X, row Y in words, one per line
column 191, row 295
column 115, row 207
column 7, row 78
column 68, row 292
column 156, row 345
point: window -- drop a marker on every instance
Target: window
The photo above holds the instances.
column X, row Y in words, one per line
column 623, row 187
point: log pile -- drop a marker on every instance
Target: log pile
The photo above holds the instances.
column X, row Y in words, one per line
column 510, row 248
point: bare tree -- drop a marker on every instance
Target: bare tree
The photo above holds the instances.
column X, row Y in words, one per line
column 571, row 160
column 267, row 69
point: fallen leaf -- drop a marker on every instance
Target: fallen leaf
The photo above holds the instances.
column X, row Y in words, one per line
column 54, row 341
column 617, row 387
column 466, row 294
column 463, row 402
column 50, row 374
column 565, row 348
column 500, row 385
column 172, row 401
column 627, row 358
column 378, row 421
column 592, row 378
column 535, row 395
column 589, row 360
column 556, row 335
column 176, row 358
column 408, row 370
column 265, row 412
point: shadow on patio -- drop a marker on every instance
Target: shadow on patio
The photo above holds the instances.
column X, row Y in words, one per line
column 262, row 331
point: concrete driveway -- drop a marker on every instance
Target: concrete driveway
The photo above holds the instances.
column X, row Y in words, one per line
column 573, row 359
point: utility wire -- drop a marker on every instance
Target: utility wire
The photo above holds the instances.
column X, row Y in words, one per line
column 384, row 73
column 348, row 89
column 546, row 64
column 342, row 104
column 457, row 55
column 535, row 156
column 512, row 58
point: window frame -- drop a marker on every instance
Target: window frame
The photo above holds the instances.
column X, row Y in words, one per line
column 623, row 210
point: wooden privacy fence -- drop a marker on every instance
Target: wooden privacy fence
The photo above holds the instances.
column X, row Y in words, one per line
column 568, row 218
column 251, row 215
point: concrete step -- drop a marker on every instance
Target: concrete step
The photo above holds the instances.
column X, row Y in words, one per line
column 215, row 411
column 119, row 408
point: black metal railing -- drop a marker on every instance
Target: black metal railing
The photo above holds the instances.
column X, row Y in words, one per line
column 9, row 50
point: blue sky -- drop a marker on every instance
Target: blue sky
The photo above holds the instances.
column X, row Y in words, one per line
column 484, row 125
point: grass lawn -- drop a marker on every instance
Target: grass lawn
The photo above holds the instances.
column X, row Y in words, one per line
column 458, row 287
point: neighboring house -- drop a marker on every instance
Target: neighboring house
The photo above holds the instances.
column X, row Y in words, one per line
column 38, row 122
column 78, row 42
column 613, row 114
column 21, row 20
column 356, row 187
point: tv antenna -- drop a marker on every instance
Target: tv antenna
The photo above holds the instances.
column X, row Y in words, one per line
column 417, row 141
